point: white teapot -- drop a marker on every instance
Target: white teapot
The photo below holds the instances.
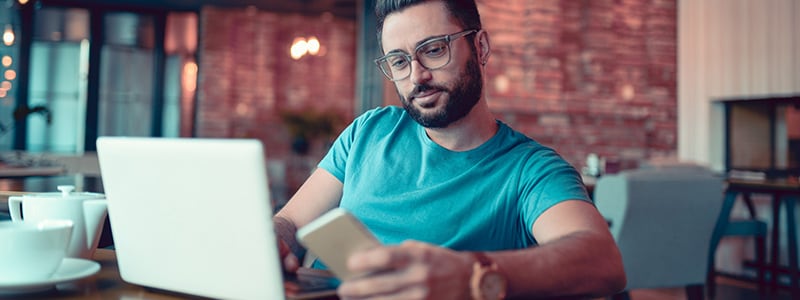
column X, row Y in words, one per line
column 86, row 210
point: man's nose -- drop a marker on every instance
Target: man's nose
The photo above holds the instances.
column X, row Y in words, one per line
column 419, row 73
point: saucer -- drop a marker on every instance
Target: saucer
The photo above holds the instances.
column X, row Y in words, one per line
column 70, row 269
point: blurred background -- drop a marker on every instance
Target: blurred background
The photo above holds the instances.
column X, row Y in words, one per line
column 626, row 81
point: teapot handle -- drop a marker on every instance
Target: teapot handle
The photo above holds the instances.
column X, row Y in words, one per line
column 14, row 208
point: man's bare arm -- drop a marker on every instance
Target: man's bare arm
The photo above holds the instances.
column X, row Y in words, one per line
column 321, row 192
column 576, row 256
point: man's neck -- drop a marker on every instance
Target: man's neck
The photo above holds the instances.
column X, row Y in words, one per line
column 473, row 130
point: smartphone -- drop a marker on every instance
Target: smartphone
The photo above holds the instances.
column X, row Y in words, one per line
column 333, row 237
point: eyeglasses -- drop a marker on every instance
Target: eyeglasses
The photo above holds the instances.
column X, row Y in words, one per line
column 431, row 54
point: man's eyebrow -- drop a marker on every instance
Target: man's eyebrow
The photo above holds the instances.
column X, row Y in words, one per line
column 396, row 51
column 427, row 39
column 420, row 42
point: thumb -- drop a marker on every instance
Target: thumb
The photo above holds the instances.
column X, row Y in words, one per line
column 289, row 260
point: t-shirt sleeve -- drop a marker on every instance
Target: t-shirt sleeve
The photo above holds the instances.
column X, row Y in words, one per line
column 335, row 161
column 547, row 181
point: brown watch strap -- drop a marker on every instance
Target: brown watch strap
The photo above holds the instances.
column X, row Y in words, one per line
column 484, row 266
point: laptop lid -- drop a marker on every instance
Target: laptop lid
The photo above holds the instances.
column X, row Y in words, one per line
column 192, row 216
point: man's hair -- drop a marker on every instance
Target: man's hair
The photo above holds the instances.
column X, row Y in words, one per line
column 463, row 12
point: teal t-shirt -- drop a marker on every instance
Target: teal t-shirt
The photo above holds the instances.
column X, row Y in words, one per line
column 403, row 186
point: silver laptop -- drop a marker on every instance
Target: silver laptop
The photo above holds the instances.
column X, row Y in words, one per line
column 194, row 216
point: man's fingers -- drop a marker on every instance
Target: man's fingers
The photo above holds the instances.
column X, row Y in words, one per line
column 378, row 259
column 407, row 283
column 291, row 263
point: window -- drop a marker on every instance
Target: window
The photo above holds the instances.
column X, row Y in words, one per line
column 134, row 75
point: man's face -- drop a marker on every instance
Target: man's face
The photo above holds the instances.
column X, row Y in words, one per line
column 434, row 98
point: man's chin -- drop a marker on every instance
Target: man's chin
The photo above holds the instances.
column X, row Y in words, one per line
column 429, row 119
column 429, row 112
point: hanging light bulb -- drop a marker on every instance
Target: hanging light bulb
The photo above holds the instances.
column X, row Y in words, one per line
column 8, row 35
column 299, row 48
column 23, row 2
column 313, row 45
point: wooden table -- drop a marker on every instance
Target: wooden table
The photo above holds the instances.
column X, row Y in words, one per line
column 6, row 171
column 106, row 284
column 782, row 192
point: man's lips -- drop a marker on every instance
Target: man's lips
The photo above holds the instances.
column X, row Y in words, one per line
column 426, row 98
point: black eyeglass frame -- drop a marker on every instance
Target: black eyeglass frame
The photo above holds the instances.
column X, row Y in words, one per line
column 447, row 38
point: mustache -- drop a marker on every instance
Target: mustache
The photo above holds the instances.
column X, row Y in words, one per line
column 424, row 88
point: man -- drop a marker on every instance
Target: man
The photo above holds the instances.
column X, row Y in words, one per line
column 467, row 207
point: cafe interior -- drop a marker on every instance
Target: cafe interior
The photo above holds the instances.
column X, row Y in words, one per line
column 683, row 116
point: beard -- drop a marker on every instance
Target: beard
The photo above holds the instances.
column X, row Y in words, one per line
column 462, row 97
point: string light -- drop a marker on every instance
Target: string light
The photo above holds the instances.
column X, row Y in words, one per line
column 189, row 76
column 7, row 61
column 10, row 74
column 8, row 36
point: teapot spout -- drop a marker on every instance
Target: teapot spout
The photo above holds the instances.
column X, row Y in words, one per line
column 95, row 212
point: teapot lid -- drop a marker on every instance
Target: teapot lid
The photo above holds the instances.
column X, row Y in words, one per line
column 66, row 192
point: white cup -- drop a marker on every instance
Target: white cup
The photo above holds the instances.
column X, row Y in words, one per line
column 31, row 251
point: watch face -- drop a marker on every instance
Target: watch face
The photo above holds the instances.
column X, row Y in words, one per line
column 493, row 286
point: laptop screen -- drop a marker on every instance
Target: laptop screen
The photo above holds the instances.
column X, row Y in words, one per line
column 192, row 215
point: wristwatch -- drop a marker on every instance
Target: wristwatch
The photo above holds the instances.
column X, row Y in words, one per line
column 486, row 283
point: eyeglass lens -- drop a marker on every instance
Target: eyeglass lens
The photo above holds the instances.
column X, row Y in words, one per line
column 432, row 55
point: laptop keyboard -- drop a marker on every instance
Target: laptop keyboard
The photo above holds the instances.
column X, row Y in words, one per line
column 313, row 283
column 310, row 283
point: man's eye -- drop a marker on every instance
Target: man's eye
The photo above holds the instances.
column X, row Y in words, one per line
column 434, row 50
column 397, row 62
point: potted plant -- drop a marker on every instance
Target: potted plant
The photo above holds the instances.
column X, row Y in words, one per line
column 306, row 125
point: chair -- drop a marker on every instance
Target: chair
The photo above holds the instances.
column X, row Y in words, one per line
column 751, row 227
column 662, row 219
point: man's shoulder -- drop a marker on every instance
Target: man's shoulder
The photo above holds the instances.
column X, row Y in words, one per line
column 521, row 142
column 389, row 112
column 529, row 151
column 383, row 115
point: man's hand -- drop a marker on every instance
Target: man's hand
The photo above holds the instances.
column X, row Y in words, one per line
column 288, row 259
column 412, row 270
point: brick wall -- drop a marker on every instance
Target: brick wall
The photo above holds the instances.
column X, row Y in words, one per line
column 579, row 76
column 247, row 78
column 247, row 82
column 586, row 76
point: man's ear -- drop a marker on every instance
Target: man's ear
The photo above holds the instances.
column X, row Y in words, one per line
column 484, row 49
